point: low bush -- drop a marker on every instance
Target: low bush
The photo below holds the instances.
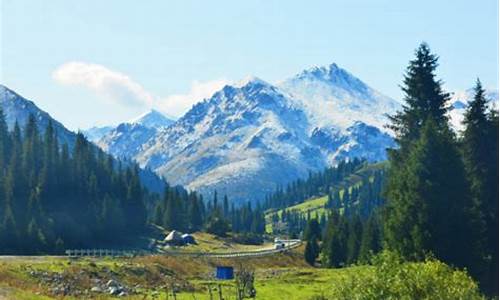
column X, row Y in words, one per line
column 392, row 278
column 248, row 239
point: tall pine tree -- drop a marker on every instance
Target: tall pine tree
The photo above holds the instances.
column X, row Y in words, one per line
column 429, row 208
column 480, row 151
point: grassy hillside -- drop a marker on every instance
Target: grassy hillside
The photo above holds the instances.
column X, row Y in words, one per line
column 282, row 276
column 206, row 242
column 53, row 277
column 317, row 204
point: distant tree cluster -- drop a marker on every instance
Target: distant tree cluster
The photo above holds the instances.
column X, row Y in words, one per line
column 52, row 198
column 319, row 183
column 180, row 210
column 350, row 239
column 187, row 211
column 293, row 222
column 359, row 199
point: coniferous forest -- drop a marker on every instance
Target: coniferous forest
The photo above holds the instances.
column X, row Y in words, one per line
column 188, row 212
column 440, row 196
column 442, row 191
column 54, row 198
column 317, row 183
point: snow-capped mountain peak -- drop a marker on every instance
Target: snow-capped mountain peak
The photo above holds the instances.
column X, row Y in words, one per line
column 250, row 80
column 332, row 96
column 252, row 135
column 152, row 119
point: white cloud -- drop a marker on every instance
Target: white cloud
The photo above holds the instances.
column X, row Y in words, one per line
column 121, row 89
column 179, row 104
column 111, row 85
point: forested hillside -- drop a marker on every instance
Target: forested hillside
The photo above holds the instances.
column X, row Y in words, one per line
column 442, row 191
column 188, row 212
column 439, row 196
column 350, row 189
column 52, row 198
column 316, row 184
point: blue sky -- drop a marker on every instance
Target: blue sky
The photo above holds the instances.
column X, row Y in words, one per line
column 101, row 62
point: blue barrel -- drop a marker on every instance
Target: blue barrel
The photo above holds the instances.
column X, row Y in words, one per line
column 224, row 273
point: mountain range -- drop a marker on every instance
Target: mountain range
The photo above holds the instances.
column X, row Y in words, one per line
column 18, row 109
column 250, row 137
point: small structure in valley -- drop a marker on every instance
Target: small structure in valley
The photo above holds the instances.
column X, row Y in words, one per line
column 174, row 238
column 188, row 239
column 224, row 272
column 279, row 244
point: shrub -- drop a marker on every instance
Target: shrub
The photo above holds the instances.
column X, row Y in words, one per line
column 248, row 239
column 218, row 226
column 391, row 278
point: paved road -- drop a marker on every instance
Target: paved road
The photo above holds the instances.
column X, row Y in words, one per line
column 261, row 252
column 291, row 244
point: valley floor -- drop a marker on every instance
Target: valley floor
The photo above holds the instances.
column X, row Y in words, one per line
column 282, row 276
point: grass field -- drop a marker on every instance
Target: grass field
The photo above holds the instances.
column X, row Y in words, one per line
column 210, row 243
column 151, row 276
column 313, row 206
column 283, row 276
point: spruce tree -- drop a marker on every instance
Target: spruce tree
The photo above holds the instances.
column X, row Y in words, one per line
column 424, row 98
column 354, row 239
column 311, row 251
column 50, row 198
column 480, row 151
column 313, row 230
column 431, row 213
column 371, row 239
column 334, row 246
column 4, row 144
column 226, row 207
column 195, row 217
column 429, row 208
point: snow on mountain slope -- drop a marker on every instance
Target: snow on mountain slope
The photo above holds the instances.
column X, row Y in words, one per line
column 126, row 139
column 332, row 97
column 241, row 139
column 459, row 101
column 94, row 134
column 153, row 119
column 17, row 108
column 248, row 138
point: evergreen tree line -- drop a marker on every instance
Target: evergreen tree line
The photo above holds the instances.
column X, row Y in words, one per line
column 442, row 189
column 359, row 199
column 345, row 240
column 188, row 212
column 291, row 222
column 353, row 231
column 317, row 184
column 53, row 198
column 441, row 192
